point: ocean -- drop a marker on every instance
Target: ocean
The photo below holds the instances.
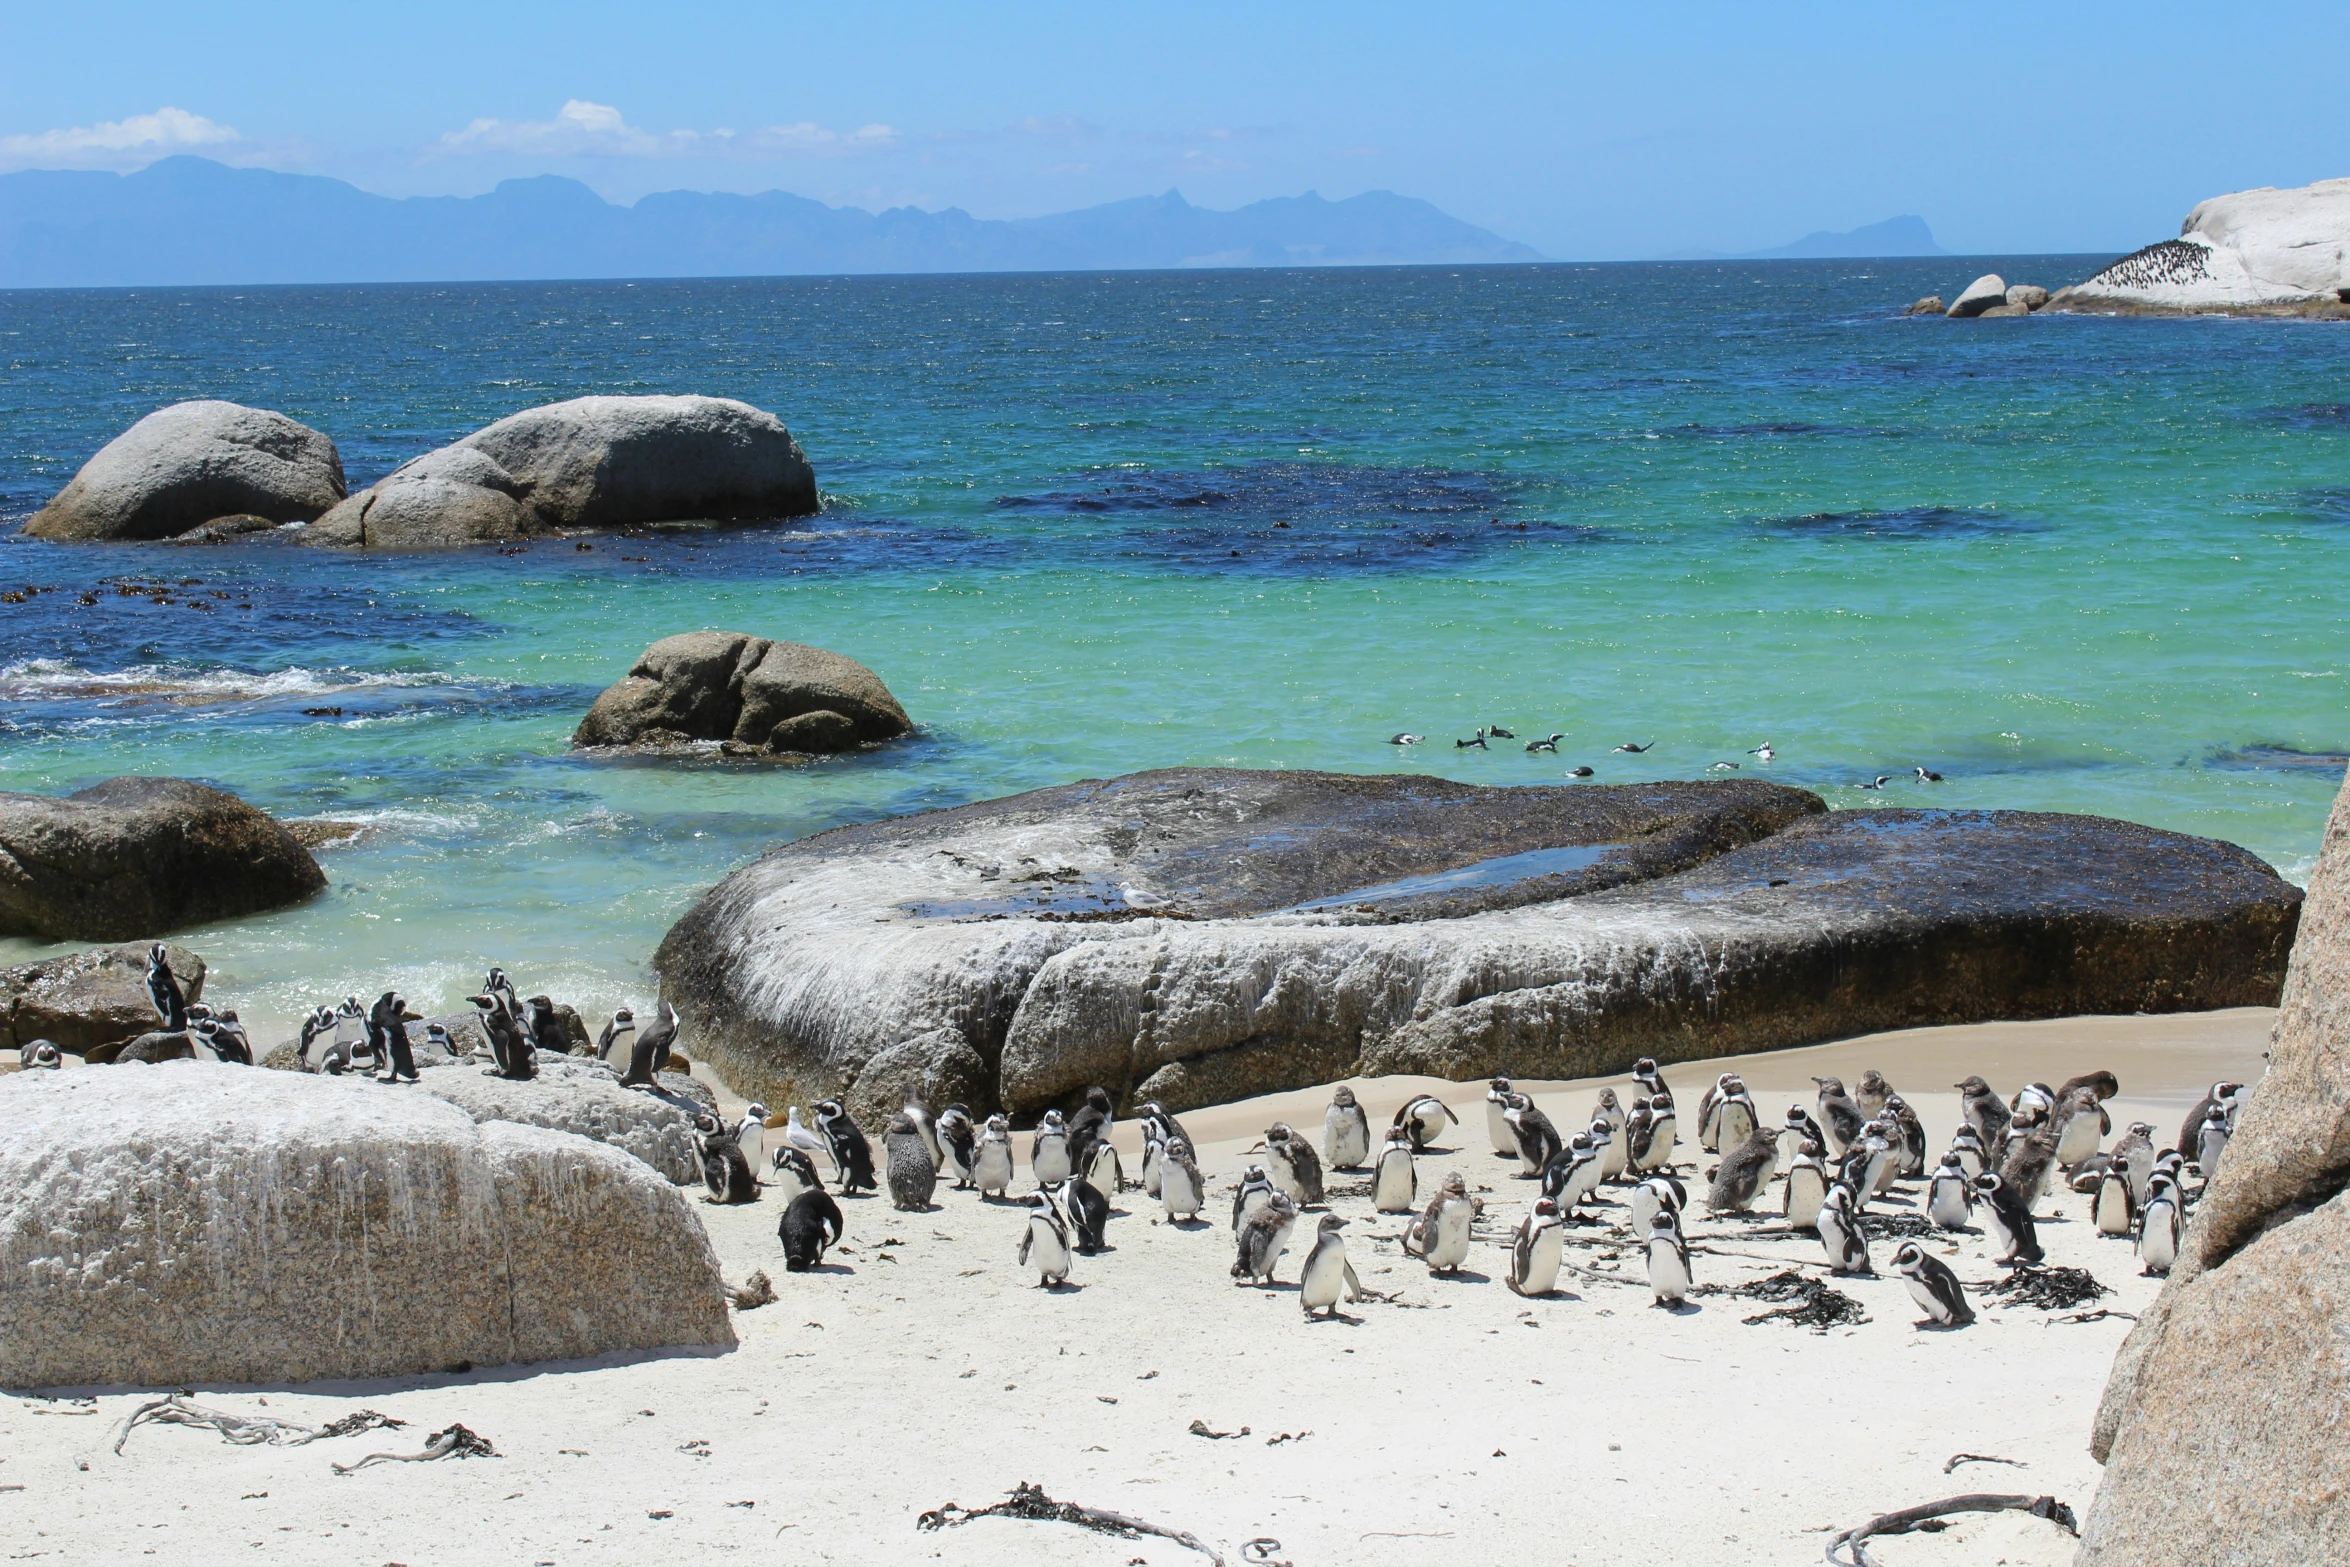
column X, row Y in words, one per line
column 1085, row 524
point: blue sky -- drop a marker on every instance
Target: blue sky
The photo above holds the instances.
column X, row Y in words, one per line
column 1587, row 131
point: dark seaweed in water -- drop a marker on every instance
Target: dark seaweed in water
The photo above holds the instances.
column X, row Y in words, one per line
column 1911, row 522
column 2051, row 1289
column 2268, row 758
column 2308, row 416
column 1811, row 1302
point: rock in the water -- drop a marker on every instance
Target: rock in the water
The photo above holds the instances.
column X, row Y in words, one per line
column 583, row 1097
column 133, row 857
column 2029, row 295
column 2253, row 252
column 1931, row 305
column 2222, row 1429
column 2009, row 312
column 745, row 690
column 1985, row 293
column 87, row 1001
column 1198, row 934
column 191, row 464
column 591, row 463
column 180, row 1223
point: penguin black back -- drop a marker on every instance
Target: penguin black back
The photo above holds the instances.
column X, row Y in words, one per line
column 651, row 1052
column 1088, row 1126
column 1087, row 1212
column 163, row 988
column 726, row 1170
column 852, row 1155
column 810, row 1224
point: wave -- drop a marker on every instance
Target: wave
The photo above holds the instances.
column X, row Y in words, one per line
column 62, row 680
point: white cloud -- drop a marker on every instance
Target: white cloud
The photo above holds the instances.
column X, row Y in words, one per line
column 581, row 129
column 127, row 143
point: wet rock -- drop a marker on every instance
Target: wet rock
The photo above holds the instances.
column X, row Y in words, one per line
column 85, row 1001
column 135, row 857
column 2029, row 295
column 1981, row 296
column 1931, row 305
column 2204, row 1436
column 1200, row 934
column 192, row 464
column 174, row 1224
column 753, row 694
column 2009, row 312
column 452, row 496
column 159, row 1046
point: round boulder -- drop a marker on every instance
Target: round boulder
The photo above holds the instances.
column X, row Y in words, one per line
column 452, row 496
column 757, row 695
column 180, row 1224
column 87, row 1001
column 189, row 464
column 1987, row 292
column 133, row 857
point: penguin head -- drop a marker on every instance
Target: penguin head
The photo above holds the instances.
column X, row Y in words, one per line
column 1830, row 1087
column 1988, row 1183
column 1343, row 1097
column 1798, row 1117
column 758, row 1110
column 1664, row 1222
column 1545, row 1208
column 1607, row 1099
column 1909, row 1257
column 1499, row 1085
column 1053, row 1121
column 1331, row 1224
column 997, row 1124
column 1950, row 1160
column 1972, row 1085
column 902, row 1125
column 41, row 1053
column 1098, row 1098
column 1873, row 1081
column 623, row 1015
column 1644, row 1067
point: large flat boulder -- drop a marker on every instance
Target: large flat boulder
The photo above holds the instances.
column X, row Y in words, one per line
column 90, row 1000
column 588, row 464
column 2225, row 1427
column 582, row 1096
column 747, row 692
column 1197, row 934
column 188, row 1223
column 184, row 466
column 2252, row 252
column 135, row 857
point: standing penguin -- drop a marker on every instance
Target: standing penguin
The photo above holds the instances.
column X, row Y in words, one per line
column 1798, row 1129
column 228, row 1039
column 1256, row 1189
column 751, row 1134
column 2013, row 1234
column 320, row 1024
column 1743, row 1173
column 1537, row 1248
column 163, row 989
column 1616, row 1153
column 1839, row 1116
column 852, row 1155
column 2031, row 1163
column 2081, row 1123
column 991, row 1165
column 1709, row 1108
column 387, row 1030
column 1498, row 1094
column 1327, row 1275
column 2216, row 1102
column 2114, row 1209
column 2211, row 1143
column 1668, row 1259
column 1538, row 1140
column 1871, row 1092
column 1909, row 1137
column 1573, row 1173
column 724, row 1170
column 1154, row 1149
column 1395, row 1183
column 1101, row 1169
column 351, row 1032
column 1181, row 1189
column 925, row 1124
column 1295, row 1167
column 1262, row 1238
column 1984, row 1110
column 1950, row 1195
column 616, row 1045
column 1440, row 1236
column 1967, row 1143
column 1806, row 1189
column 649, row 1055
column 958, row 1145
column 810, row 1225
column 1085, row 1211
column 792, row 1172
column 1044, row 1244
column 1658, row 1191
column 1735, row 1118
column 1933, row 1286
column 1651, row 1081
column 510, row 1046
column 1048, row 1151
column 1090, row 1125
column 2133, row 1154
column 913, row 1175
column 1639, row 1128
column 1425, row 1116
column 2158, row 1227
column 1346, row 1131
column 1663, row 1133
column 1840, row 1232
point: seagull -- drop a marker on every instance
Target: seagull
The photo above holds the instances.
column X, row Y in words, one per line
column 1637, row 749
column 1723, row 767
column 1928, row 777
column 1578, row 772
column 1500, row 733
column 1764, row 751
column 1882, row 780
column 1406, row 739
column 1551, row 744
column 1479, row 742
column 807, row 1139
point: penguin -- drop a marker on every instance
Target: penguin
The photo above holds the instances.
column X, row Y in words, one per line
column 913, row 1174
column 1395, row 1181
column 497, row 984
column 1255, row 1190
column 1709, row 1106
column 1151, row 1111
column 1743, row 1174
column 1497, row 1126
column 1607, row 1148
column 1102, row 1171
column 991, row 1163
column 40, row 1055
column 724, row 1169
column 2114, row 1209
column 1736, row 1118
column 1262, row 1237
column 1967, row 1143
column 1293, row 1164
column 228, row 1038
column 649, row 1054
column 2211, row 1144
column 792, row 1172
column 1909, row 1148
column 1840, row 1232
column 1798, row 1129
column 2104, row 1084
column 1616, row 1153
column 437, row 1041
column 1658, row 1191
column 1871, row 1092
column 2089, row 1174
column 2013, row 1234
column 1048, row 1151
column 546, row 1029
column 1668, row 1259
column 1639, row 1126
column 1537, row 1249
column 958, row 1144
column 1950, row 1195
column 1538, row 1141
column 1863, row 1166
column 810, row 1224
column 1424, row 1117
column 1090, row 1125
column 1933, row 1286
column 2081, row 1123
column 2031, row 1163
column 163, row 989
column 1044, row 1244
column 1651, row 1081
column 1327, row 1275
column 1806, row 1189
column 1154, row 1149
column 387, row 1032
column 2034, row 1099
column 1182, row 1191
column 1984, row 1110
column 852, row 1155
column 750, row 1134
column 2158, row 1227
column 2134, row 1155
column 1085, row 1211
column 351, row 1032
column 2213, row 1103
column 1562, row 1178
column 1839, row 1116
column 1346, row 1131
column 320, row 1024
column 517, row 1060
column 616, row 1045
column 1663, row 1133
column 925, row 1124
column 1440, row 1236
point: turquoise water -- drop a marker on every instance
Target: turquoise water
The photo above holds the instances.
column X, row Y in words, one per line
column 2071, row 564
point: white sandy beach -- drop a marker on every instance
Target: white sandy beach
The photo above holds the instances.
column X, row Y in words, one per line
column 1459, row 1423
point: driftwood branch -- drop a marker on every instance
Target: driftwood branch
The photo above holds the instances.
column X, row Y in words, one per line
column 1029, row 1501
column 454, row 1442
column 179, row 1409
column 1854, row 1541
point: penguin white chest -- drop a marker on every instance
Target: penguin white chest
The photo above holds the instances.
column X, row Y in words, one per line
column 1807, row 1188
column 1498, row 1128
column 1949, row 1203
column 1451, row 1247
column 1537, row 1261
column 1397, row 1188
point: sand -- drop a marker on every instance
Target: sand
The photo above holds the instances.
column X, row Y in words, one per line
column 1458, row 1423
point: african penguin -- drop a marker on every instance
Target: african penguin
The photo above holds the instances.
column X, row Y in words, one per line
column 1293, row 1164
column 852, row 1155
column 1840, row 1232
column 1658, row 1191
column 1968, row 1145
column 1537, row 1249
column 1668, row 1259
column 958, row 1144
column 804, row 1137
column 1806, row 1188
column 649, row 1054
column 1651, row 1081
column 1084, row 1210
column 1838, row 1115
column 792, row 1172
column 1538, row 1141
column 913, row 1174
column 1090, row 1125
column 1395, row 1181
column 616, row 1045
column 39, row 1055
column 163, row 989
column 810, row 1224
column 1425, row 1116
column 1048, row 1150
column 2080, row 1122
column 387, row 1032
column 1950, row 1195
column 1101, row 1170
column 510, row 1047
column 1743, row 1174
column 1498, row 1095
column 1256, row 1189
column 1709, row 1104
column 925, row 1124
column 1933, row 1286
column 1798, row 1129
column 2134, row 1153
column 1346, row 1131
column 1616, row 1152
column 2031, row 1163
column 1044, row 1243
column 1663, row 1133
column 1440, row 1236
column 2158, row 1227
column 750, row 1134
column 991, row 1163
column 724, row 1169
column 1985, row 1111
column 1182, row 1191
column 1262, row 1237
column 319, row 1024
column 2014, row 1237
column 1871, row 1092
column 1327, row 1276
column 2114, row 1210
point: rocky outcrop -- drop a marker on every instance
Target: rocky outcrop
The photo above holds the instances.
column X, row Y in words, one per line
column 583, row 1097
column 588, row 464
column 1931, row 305
column 1987, row 292
column 134, row 857
column 1197, row 934
column 2223, row 1427
column 752, row 694
column 85, row 1001
column 2031, row 296
column 184, row 466
column 187, row 1223
column 2253, row 252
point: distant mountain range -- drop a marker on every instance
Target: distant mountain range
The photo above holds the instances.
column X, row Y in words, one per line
column 192, row 221
column 1893, row 237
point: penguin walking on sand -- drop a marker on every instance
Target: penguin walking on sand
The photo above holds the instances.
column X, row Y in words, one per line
column 1346, row 1131
column 1537, row 1249
column 1840, row 1232
column 164, row 990
column 1048, row 1151
column 1425, row 1117
column 649, row 1055
column 387, row 1031
column 1293, row 1164
column 1044, row 1243
column 1395, row 1181
column 1806, row 1190
column 798, row 1134
column 1743, row 1174
column 811, row 1224
column 1950, row 1195
column 958, row 1145
column 616, row 1045
column 1256, row 1189
column 1440, row 1236
column 2014, row 1236
column 791, row 1172
column 1933, row 1286
column 1498, row 1093
column 1262, row 1239
column 1606, row 1107
column 1538, row 1140
column 725, row 1171
column 2158, row 1227
column 1182, row 1190
column 1327, row 1276
column 913, row 1174
column 1985, row 1111
column 1085, row 1211
column 1668, row 1259
column 991, row 1164
column 852, row 1155
column 1839, row 1116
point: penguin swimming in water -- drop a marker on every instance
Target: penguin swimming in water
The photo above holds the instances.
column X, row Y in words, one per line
column 1255, row 1190
column 1048, row 1151
column 163, row 989
column 1395, row 1182
column 913, row 1174
column 1806, row 1189
column 1327, row 1276
column 2014, row 1236
column 616, row 1045
column 1985, row 1111
column 2158, row 1227
column 991, row 1165
column 1044, row 1244
column 724, row 1169
column 1668, row 1259
column 1346, row 1131
column 1933, row 1286
column 1293, row 1164
column 1182, row 1190
column 1743, row 1174
column 852, row 1155
column 1840, row 1232
column 1538, row 1140
column 1950, row 1195
column 1536, row 1249
column 1497, row 1127
column 387, row 1032
column 792, row 1172
column 1425, row 1117
column 1440, row 1236
column 1261, row 1238
column 810, row 1224
column 1839, row 1116
column 648, row 1056
column 1085, row 1211
column 958, row 1145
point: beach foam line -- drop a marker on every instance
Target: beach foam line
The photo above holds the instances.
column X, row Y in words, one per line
column 62, row 680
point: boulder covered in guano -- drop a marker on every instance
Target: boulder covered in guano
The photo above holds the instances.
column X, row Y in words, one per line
column 1197, row 935
column 191, row 464
column 2265, row 252
column 751, row 694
